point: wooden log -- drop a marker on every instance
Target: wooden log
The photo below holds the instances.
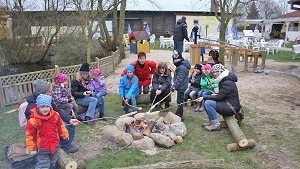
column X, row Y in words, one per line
column 223, row 124
column 143, row 99
column 236, row 147
column 208, row 164
column 149, row 128
column 65, row 161
column 235, row 130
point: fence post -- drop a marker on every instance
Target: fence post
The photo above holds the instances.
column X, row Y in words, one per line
column 113, row 56
column 97, row 63
column 1, row 95
column 56, row 71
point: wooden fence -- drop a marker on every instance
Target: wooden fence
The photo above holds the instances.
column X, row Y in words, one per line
column 14, row 88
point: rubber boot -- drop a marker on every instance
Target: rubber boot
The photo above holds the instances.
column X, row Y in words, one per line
column 198, row 107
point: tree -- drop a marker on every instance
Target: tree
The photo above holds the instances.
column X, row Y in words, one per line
column 253, row 13
column 268, row 9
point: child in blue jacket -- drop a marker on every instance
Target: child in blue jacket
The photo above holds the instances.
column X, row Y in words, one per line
column 129, row 88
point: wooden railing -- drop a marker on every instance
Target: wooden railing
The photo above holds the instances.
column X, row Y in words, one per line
column 14, row 88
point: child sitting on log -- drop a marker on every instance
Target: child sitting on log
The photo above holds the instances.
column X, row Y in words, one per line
column 61, row 97
column 194, row 80
column 43, row 130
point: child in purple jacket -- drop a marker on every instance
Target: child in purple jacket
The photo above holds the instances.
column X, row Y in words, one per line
column 98, row 85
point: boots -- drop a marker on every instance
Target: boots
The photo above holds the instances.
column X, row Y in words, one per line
column 198, row 107
column 213, row 127
column 102, row 116
column 89, row 120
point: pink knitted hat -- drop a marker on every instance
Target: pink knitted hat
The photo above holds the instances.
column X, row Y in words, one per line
column 60, row 78
column 97, row 72
column 207, row 67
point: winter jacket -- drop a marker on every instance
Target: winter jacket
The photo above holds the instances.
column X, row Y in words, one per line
column 128, row 86
column 32, row 100
column 44, row 132
column 143, row 72
column 77, row 89
column 161, row 81
column 197, row 78
column 97, row 85
column 60, row 95
column 227, row 91
column 180, row 31
column 181, row 80
column 204, row 83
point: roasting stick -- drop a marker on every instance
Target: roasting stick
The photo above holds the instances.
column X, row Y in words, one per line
column 152, row 107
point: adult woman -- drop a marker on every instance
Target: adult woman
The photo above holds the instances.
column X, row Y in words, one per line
column 83, row 96
column 221, row 101
column 161, row 84
column 143, row 70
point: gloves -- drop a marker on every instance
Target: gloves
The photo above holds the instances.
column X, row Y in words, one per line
column 172, row 88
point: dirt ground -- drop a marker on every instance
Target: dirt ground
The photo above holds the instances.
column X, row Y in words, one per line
column 272, row 94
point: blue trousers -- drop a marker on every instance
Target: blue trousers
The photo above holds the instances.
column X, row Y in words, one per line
column 92, row 104
column 66, row 143
column 133, row 103
column 178, row 46
column 210, row 107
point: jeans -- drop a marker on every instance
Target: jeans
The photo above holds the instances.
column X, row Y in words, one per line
column 46, row 160
column 210, row 107
column 99, row 95
column 191, row 92
column 91, row 102
column 180, row 99
column 68, row 107
column 66, row 143
column 202, row 93
column 133, row 103
column 178, row 46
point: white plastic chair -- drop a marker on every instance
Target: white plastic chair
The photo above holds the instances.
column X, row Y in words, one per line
column 296, row 51
column 279, row 45
column 152, row 39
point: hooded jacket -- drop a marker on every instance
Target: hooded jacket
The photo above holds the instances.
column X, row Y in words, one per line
column 181, row 80
column 227, row 91
column 97, row 85
column 180, row 31
column 161, row 81
column 60, row 95
column 143, row 72
column 43, row 132
column 128, row 86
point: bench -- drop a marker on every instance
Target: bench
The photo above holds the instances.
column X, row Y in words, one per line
column 296, row 51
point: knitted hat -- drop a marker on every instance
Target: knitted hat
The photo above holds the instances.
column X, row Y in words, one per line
column 43, row 100
column 97, row 72
column 41, row 86
column 60, row 78
column 176, row 55
column 207, row 67
column 218, row 67
column 130, row 67
column 198, row 66
column 84, row 69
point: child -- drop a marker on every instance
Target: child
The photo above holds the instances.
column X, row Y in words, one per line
column 43, row 130
column 194, row 79
column 207, row 85
column 129, row 88
column 98, row 86
column 61, row 97
column 181, row 81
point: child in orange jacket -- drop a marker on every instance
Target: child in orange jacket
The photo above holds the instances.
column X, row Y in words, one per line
column 43, row 130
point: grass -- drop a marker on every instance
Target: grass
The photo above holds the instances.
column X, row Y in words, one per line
column 283, row 56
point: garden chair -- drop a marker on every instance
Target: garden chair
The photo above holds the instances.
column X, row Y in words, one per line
column 152, row 39
column 296, row 51
column 279, row 45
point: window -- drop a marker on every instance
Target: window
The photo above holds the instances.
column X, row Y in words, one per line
column 195, row 22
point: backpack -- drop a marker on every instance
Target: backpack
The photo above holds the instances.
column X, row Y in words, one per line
column 22, row 117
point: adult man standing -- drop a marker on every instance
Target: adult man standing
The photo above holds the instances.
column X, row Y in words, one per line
column 43, row 87
column 180, row 33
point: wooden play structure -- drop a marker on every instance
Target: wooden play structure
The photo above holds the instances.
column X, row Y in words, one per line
column 233, row 52
column 139, row 42
column 5, row 24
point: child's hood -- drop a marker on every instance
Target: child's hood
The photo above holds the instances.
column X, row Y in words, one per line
column 34, row 113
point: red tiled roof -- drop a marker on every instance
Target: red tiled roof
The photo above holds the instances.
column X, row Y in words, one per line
column 289, row 15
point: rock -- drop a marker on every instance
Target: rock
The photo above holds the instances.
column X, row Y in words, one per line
column 171, row 118
column 121, row 121
column 179, row 129
column 160, row 121
column 137, row 136
column 140, row 116
column 144, row 144
column 161, row 140
column 108, row 132
column 124, row 139
column 152, row 116
column 179, row 140
column 171, row 135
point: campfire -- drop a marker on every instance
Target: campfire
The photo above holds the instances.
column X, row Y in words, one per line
column 145, row 130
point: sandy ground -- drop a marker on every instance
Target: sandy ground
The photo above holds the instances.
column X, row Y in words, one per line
column 272, row 94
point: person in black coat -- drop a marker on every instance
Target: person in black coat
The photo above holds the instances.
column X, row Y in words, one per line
column 194, row 80
column 180, row 33
column 161, row 84
column 219, row 102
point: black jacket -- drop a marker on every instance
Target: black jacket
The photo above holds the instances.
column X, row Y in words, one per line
column 181, row 80
column 227, row 91
column 32, row 100
column 164, row 81
column 197, row 79
column 77, row 89
column 180, row 31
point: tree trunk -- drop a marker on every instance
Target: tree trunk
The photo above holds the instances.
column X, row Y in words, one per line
column 235, row 130
column 208, row 164
column 236, row 147
column 121, row 29
column 65, row 161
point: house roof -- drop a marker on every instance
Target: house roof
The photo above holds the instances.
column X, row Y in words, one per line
column 289, row 15
column 139, row 35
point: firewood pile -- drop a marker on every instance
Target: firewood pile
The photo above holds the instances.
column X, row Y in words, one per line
column 146, row 130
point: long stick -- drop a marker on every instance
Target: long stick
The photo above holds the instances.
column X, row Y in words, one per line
column 152, row 107
column 139, row 108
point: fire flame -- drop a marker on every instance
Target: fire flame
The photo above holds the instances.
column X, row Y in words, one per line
column 143, row 125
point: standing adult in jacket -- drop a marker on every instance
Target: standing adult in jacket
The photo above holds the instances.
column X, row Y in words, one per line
column 161, row 84
column 219, row 102
column 181, row 80
column 43, row 87
column 143, row 70
column 180, row 33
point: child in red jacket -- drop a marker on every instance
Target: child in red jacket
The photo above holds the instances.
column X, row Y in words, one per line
column 43, row 130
